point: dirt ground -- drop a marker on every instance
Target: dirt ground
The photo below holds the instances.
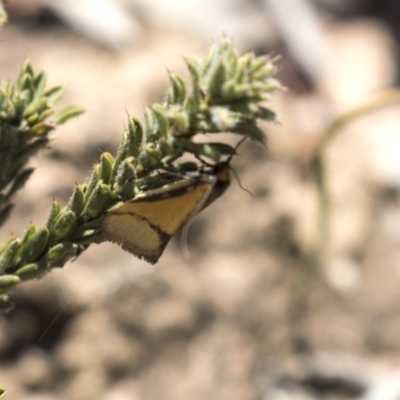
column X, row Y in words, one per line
column 254, row 313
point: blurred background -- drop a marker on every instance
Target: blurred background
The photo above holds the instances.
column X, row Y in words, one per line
column 252, row 315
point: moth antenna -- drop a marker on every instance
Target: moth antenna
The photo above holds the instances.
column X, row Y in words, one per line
column 238, row 144
column 207, row 164
column 203, row 162
column 184, row 242
column 240, row 183
column 185, row 231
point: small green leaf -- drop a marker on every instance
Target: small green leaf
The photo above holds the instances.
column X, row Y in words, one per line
column 54, row 213
column 121, row 153
column 27, row 235
column 252, row 131
column 134, row 138
column 45, row 114
column 178, row 120
column 54, row 94
column 60, row 253
column 35, row 246
column 39, row 82
column 7, row 256
column 159, row 112
column 77, row 200
column 107, row 162
column 222, row 148
column 26, row 83
column 63, row 226
column 203, row 149
column 243, row 66
column 5, row 245
column 33, row 119
column 32, row 270
column 126, row 171
column 36, row 107
column 194, row 69
column 97, row 202
column 7, row 282
column 67, row 113
column 27, row 68
column 152, row 125
column 95, row 178
column 267, row 114
column 216, row 80
column 177, row 91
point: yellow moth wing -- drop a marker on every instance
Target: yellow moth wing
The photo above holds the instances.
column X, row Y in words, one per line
column 145, row 224
column 133, row 234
